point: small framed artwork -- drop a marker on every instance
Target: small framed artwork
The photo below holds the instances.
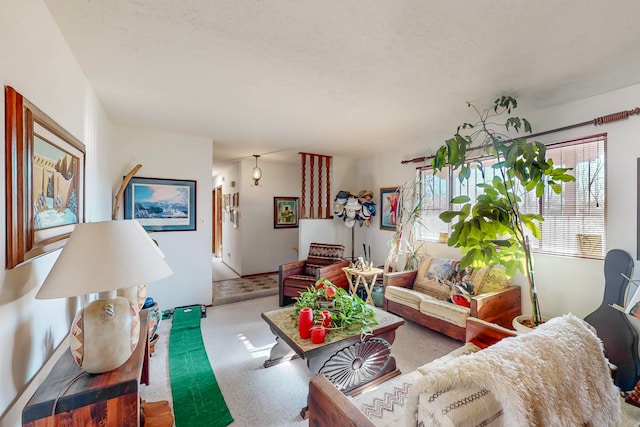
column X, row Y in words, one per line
column 285, row 212
column 44, row 181
column 161, row 204
column 389, row 199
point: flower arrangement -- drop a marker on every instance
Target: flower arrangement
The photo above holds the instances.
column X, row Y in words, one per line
column 347, row 311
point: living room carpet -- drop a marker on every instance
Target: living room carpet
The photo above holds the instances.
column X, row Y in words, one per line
column 197, row 399
column 238, row 341
column 244, row 288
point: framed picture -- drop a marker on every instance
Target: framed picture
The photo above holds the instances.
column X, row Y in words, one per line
column 161, row 204
column 44, row 181
column 285, row 212
column 389, row 199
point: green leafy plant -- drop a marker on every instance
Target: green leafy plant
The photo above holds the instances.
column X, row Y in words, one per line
column 347, row 312
column 491, row 230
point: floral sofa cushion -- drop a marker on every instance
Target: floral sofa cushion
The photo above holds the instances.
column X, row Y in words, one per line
column 433, row 275
column 442, row 277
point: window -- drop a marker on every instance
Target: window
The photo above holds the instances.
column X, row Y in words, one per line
column 575, row 220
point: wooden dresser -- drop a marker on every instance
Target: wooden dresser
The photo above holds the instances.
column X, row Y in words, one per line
column 110, row 399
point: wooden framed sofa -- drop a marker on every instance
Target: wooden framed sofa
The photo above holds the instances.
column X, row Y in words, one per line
column 425, row 296
column 323, row 261
column 495, row 379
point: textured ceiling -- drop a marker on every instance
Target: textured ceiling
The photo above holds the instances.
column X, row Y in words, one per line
column 336, row 76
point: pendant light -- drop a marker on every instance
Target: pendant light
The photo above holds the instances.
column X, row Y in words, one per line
column 256, row 173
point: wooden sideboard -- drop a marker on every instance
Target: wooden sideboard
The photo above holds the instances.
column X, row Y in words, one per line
column 111, row 399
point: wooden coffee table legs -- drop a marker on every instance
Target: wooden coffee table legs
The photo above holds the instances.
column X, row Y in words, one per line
column 280, row 353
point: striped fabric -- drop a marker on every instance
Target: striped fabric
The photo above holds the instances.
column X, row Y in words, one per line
column 321, row 254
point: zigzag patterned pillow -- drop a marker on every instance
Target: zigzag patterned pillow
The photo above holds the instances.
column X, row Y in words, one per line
column 468, row 406
column 386, row 405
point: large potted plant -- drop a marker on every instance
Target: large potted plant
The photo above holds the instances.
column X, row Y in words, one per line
column 492, row 229
column 348, row 312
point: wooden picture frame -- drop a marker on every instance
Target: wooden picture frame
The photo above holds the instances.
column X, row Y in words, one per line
column 44, row 181
column 389, row 200
column 161, row 204
column 285, row 212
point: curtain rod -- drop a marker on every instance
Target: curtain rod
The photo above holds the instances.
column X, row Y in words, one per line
column 622, row 115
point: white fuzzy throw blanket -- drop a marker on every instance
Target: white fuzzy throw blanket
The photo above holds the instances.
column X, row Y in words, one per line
column 556, row 375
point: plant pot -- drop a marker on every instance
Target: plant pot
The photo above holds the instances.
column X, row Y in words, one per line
column 326, row 318
column 521, row 323
column 378, row 295
column 318, row 334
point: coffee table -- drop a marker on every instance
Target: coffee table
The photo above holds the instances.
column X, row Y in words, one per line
column 348, row 359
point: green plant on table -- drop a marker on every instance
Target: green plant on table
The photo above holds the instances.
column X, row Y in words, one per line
column 348, row 311
column 491, row 230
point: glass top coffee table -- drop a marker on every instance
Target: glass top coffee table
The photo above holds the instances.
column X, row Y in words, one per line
column 348, row 359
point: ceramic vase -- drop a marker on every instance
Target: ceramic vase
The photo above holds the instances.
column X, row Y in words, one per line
column 326, row 318
column 318, row 334
column 305, row 322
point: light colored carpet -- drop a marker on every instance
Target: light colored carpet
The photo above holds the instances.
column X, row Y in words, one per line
column 244, row 288
column 221, row 271
column 238, row 341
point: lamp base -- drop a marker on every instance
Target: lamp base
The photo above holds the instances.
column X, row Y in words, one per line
column 104, row 334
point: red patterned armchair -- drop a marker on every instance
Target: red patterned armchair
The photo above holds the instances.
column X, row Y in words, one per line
column 324, row 261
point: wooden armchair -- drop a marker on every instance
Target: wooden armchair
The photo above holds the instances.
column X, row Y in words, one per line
column 324, row 261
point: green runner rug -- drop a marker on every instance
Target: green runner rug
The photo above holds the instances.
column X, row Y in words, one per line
column 197, row 399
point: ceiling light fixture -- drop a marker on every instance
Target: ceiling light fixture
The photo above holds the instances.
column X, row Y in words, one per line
column 256, row 173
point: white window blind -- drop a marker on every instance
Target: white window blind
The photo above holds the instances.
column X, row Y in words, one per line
column 575, row 220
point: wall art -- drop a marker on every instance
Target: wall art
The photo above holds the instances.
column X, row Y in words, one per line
column 44, row 181
column 285, row 212
column 389, row 208
column 161, row 204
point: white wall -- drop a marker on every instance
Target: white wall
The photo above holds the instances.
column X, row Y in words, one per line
column 188, row 253
column 36, row 61
column 254, row 246
column 264, row 247
column 564, row 284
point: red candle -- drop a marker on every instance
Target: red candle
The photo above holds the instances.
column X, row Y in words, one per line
column 326, row 318
column 317, row 334
column 305, row 322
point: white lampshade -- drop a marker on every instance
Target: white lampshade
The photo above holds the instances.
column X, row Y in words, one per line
column 104, row 256
column 100, row 257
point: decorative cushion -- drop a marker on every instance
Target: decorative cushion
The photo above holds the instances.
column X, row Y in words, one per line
column 387, row 404
column 468, row 406
column 490, row 279
column 460, row 300
column 321, row 254
column 434, row 277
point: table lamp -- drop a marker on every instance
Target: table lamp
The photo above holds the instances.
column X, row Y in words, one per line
column 101, row 257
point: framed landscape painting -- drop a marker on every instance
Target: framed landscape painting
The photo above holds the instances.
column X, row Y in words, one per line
column 161, row 204
column 44, row 181
column 285, row 212
column 389, row 208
